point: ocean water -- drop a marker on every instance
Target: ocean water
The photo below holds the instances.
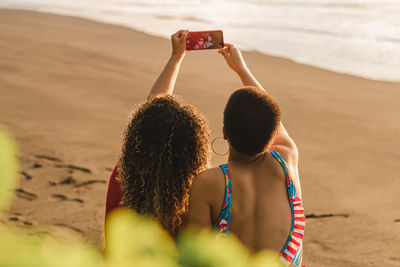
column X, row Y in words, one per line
column 360, row 37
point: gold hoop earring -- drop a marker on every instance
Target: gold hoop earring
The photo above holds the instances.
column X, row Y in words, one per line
column 212, row 146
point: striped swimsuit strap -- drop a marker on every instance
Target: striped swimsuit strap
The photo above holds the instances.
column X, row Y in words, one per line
column 291, row 253
column 224, row 220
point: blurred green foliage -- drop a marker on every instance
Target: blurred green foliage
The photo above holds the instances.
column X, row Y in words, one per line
column 8, row 168
column 132, row 240
column 203, row 249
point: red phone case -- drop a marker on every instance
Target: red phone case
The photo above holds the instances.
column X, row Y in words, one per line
column 204, row 40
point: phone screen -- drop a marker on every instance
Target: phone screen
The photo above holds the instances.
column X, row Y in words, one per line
column 204, row 40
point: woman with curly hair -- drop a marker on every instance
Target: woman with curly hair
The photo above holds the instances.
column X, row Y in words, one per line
column 165, row 146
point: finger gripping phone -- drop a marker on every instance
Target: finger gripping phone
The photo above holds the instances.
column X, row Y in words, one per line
column 200, row 40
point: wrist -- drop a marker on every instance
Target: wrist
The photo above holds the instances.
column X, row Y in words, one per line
column 177, row 57
column 242, row 71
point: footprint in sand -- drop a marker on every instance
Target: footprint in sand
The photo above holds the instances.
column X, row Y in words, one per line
column 61, row 197
column 86, row 183
column 26, row 175
column 72, row 181
column 77, row 200
column 36, row 166
column 319, row 216
column 73, row 167
column 48, row 158
column 21, row 193
column 69, row 227
column 18, row 219
column 68, row 181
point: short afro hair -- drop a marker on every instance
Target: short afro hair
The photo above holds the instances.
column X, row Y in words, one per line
column 251, row 118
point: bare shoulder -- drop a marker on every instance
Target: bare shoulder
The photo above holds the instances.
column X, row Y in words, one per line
column 210, row 173
column 208, row 185
column 291, row 155
column 206, row 188
column 209, row 179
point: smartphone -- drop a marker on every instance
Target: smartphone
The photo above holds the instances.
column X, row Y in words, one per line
column 204, row 40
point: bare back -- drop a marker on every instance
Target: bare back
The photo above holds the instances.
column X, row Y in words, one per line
column 261, row 216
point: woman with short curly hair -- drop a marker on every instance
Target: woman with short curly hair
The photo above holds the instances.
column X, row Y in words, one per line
column 256, row 195
column 165, row 146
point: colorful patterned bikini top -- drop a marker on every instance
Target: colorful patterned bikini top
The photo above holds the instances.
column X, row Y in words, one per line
column 291, row 253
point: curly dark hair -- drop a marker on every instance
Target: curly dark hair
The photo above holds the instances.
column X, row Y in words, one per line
column 251, row 117
column 166, row 144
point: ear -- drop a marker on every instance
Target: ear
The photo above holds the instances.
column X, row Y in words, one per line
column 224, row 132
column 271, row 141
column 275, row 134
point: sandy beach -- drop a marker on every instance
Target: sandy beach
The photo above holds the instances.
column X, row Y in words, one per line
column 67, row 86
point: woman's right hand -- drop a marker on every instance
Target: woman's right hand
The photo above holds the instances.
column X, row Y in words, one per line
column 233, row 57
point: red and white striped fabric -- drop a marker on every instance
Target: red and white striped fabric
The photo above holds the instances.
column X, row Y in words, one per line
column 291, row 254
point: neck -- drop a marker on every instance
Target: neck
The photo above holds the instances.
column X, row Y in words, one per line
column 242, row 157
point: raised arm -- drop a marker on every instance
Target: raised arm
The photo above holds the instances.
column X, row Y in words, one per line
column 282, row 142
column 165, row 83
column 235, row 61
